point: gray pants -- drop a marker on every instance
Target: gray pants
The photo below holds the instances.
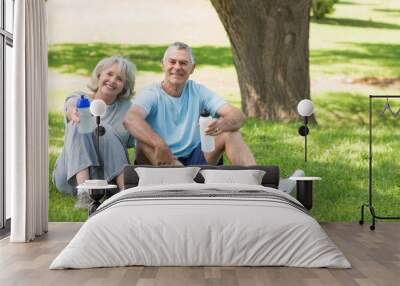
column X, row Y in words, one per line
column 79, row 153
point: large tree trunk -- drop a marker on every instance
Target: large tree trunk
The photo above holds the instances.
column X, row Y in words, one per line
column 269, row 40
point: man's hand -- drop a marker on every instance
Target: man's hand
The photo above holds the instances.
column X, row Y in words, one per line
column 163, row 155
column 152, row 145
column 216, row 127
column 231, row 119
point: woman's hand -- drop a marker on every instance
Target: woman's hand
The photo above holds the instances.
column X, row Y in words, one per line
column 73, row 115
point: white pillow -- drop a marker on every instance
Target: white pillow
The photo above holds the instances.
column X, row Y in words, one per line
column 166, row 176
column 249, row 177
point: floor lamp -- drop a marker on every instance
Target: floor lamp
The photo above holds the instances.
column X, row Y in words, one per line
column 305, row 108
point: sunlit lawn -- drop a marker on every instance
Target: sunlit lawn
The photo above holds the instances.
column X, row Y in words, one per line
column 338, row 152
column 356, row 45
column 362, row 38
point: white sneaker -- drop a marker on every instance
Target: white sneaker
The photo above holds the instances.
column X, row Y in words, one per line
column 84, row 199
column 289, row 186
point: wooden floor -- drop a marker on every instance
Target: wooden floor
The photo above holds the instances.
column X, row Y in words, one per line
column 374, row 255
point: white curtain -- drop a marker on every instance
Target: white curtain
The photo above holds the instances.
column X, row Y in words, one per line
column 26, row 119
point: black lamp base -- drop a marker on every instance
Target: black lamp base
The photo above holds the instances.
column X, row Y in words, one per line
column 101, row 130
column 303, row 130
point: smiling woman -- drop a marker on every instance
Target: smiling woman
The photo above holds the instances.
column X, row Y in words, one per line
column 113, row 82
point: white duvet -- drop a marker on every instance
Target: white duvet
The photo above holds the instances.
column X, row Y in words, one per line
column 183, row 231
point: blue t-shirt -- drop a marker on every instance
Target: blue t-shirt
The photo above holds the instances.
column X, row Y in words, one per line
column 175, row 119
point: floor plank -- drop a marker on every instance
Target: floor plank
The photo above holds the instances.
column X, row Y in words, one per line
column 374, row 255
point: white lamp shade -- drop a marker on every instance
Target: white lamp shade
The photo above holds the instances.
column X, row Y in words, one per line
column 98, row 107
column 305, row 107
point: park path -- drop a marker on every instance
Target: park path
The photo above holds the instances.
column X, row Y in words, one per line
column 152, row 22
column 222, row 81
column 156, row 22
column 135, row 22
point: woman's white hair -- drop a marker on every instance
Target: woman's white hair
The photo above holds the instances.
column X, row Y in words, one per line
column 180, row 46
column 127, row 68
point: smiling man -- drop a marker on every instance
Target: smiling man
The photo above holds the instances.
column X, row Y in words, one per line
column 164, row 118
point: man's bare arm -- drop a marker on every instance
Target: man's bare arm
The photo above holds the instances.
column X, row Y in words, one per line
column 231, row 119
column 136, row 124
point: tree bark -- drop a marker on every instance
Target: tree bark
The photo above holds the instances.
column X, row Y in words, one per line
column 269, row 40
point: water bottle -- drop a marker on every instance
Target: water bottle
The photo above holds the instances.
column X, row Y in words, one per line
column 207, row 141
column 85, row 124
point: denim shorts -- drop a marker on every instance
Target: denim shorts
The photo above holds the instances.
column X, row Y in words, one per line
column 197, row 158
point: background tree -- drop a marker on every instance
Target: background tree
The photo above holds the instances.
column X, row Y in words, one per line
column 269, row 40
column 320, row 8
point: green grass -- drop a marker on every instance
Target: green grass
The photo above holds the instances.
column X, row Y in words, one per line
column 357, row 60
column 359, row 44
column 353, row 59
column 82, row 58
column 338, row 152
column 346, row 22
column 61, row 206
column 360, row 39
column 348, row 43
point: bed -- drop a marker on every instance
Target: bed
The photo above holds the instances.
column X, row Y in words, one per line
column 201, row 224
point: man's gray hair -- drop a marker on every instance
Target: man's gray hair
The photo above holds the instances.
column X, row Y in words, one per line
column 127, row 68
column 180, row 46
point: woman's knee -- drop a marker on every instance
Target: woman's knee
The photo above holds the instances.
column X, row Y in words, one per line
column 62, row 185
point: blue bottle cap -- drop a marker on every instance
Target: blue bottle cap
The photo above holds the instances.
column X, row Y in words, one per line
column 83, row 102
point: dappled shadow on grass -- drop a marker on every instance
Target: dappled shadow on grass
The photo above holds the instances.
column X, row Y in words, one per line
column 344, row 188
column 346, row 110
column 342, row 109
column 339, row 156
column 348, row 3
column 348, row 22
column 386, row 182
column 272, row 141
column 391, row 12
column 388, row 54
column 56, row 129
column 337, row 152
column 61, row 206
column 341, row 191
column 371, row 54
column 82, row 58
